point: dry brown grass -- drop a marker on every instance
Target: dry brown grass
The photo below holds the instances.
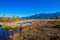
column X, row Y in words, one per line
column 13, row 24
column 41, row 30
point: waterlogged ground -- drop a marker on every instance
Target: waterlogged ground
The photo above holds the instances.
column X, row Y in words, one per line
column 7, row 34
column 14, row 24
column 4, row 34
column 38, row 30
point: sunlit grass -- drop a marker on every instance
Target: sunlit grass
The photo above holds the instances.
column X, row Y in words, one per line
column 58, row 25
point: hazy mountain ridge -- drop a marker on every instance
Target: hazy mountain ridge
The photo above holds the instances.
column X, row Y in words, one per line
column 45, row 15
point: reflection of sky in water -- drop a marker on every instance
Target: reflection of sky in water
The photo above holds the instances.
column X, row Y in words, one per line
column 28, row 23
column 4, row 35
column 21, row 25
column 1, row 34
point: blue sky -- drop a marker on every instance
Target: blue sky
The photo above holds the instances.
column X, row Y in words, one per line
column 24, row 8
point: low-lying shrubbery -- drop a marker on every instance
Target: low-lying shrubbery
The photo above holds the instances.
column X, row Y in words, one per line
column 58, row 25
column 40, row 30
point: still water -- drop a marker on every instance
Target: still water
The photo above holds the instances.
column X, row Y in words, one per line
column 4, row 34
column 1, row 34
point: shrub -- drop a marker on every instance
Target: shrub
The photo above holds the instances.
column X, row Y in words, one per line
column 0, row 25
column 58, row 17
column 58, row 25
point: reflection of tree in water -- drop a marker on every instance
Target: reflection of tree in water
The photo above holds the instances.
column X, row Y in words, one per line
column 6, row 34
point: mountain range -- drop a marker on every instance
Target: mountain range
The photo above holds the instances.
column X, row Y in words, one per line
column 44, row 15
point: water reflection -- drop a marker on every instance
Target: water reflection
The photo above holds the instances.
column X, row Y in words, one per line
column 21, row 24
column 4, row 34
column 25, row 23
column 1, row 34
column 28, row 23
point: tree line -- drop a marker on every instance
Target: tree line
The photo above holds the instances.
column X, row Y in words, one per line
column 4, row 18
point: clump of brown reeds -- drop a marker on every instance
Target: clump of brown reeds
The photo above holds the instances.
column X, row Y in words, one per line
column 40, row 30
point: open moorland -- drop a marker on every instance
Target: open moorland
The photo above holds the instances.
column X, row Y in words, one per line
column 42, row 29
